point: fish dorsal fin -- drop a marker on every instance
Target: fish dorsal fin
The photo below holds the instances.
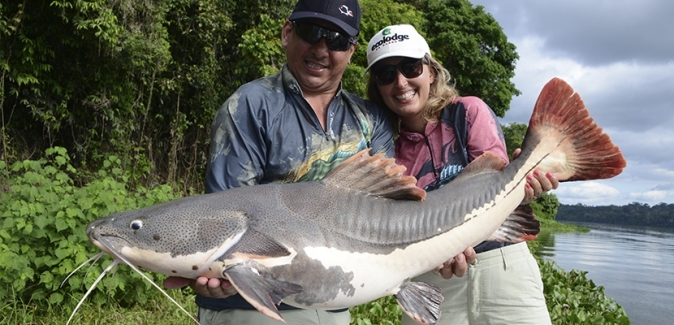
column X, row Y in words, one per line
column 374, row 175
column 485, row 163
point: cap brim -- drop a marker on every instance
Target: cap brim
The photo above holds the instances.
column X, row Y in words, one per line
column 413, row 55
column 314, row 15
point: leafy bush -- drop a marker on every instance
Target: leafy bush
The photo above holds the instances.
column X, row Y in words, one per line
column 42, row 236
column 574, row 299
column 384, row 310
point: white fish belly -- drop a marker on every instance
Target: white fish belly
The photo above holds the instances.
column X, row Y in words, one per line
column 378, row 275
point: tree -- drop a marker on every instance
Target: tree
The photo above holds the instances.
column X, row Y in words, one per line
column 514, row 135
column 635, row 213
column 143, row 79
column 472, row 45
column 546, row 206
column 101, row 77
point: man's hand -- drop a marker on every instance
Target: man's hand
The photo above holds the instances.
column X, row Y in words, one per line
column 457, row 265
column 537, row 182
column 213, row 288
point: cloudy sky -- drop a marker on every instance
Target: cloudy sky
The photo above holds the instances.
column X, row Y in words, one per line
column 619, row 56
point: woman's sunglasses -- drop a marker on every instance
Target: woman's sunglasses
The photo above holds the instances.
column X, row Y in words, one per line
column 312, row 34
column 387, row 74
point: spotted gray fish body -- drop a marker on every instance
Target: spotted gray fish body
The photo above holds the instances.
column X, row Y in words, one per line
column 361, row 232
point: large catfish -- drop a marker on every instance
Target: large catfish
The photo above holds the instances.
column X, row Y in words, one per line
column 364, row 230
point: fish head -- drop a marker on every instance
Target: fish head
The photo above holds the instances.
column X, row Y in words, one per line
column 183, row 237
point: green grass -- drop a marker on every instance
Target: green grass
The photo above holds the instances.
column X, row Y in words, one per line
column 159, row 311
column 559, row 227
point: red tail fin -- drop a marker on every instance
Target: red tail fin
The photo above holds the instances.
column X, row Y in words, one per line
column 589, row 153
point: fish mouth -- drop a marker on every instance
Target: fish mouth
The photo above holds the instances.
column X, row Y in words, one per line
column 108, row 246
column 101, row 246
column 108, row 243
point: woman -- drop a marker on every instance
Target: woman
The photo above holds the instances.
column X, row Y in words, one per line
column 439, row 134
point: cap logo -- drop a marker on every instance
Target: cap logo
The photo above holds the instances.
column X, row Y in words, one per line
column 395, row 38
column 345, row 10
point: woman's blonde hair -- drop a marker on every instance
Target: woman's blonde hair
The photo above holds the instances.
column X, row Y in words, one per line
column 441, row 94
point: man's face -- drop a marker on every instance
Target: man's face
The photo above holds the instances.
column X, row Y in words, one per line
column 317, row 69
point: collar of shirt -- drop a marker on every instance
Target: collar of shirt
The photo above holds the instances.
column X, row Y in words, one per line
column 416, row 136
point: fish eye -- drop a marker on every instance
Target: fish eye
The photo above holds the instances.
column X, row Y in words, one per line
column 136, row 224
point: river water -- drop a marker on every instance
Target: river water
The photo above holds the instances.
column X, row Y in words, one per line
column 635, row 265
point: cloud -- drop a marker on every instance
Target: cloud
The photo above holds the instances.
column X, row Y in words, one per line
column 592, row 33
column 588, row 193
column 623, row 96
column 619, row 57
column 652, row 150
column 651, row 196
column 665, row 187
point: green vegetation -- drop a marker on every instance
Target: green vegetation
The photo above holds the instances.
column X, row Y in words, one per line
column 574, row 299
column 157, row 311
column 106, row 106
column 634, row 214
column 43, row 237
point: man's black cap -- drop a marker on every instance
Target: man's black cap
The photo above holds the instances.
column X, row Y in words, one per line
column 343, row 13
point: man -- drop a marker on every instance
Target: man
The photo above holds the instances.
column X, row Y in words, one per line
column 293, row 126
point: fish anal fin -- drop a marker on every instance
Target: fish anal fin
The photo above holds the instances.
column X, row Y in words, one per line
column 420, row 301
column 254, row 244
column 374, row 175
column 261, row 291
column 521, row 225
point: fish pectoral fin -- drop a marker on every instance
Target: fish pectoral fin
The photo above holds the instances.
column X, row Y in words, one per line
column 420, row 301
column 521, row 225
column 261, row 291
column 256, row 244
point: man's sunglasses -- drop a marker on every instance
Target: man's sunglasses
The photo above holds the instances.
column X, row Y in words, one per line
column 410, row 68
column 312, row 34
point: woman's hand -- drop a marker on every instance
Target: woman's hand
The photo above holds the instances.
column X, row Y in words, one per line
column 457, row 265
column 537, row 182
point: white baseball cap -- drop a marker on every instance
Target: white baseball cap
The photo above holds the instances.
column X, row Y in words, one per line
column 396, row 40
